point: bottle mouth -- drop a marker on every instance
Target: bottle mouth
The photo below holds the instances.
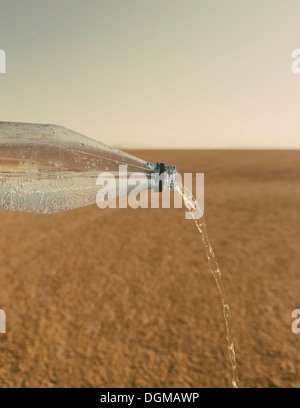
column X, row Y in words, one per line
column 163, row 177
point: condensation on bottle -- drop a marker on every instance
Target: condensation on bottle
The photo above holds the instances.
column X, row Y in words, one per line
column 48, row 169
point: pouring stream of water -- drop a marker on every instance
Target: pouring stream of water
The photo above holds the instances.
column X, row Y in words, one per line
column 192, row 205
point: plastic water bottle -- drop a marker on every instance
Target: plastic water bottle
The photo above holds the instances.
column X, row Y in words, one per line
column 48, row 169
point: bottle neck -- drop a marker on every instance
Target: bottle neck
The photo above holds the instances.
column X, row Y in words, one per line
column 163, row 177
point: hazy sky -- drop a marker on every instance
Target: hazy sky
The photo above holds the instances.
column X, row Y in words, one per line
column 155, row 73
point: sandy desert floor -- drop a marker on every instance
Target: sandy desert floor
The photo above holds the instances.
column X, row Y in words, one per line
column 124, row 298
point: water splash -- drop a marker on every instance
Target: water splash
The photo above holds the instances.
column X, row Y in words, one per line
column 192, row 205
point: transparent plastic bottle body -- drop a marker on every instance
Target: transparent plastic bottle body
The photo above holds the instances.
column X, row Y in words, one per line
column 48, row 168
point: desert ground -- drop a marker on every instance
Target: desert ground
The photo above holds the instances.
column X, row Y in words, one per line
column 124, row 298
